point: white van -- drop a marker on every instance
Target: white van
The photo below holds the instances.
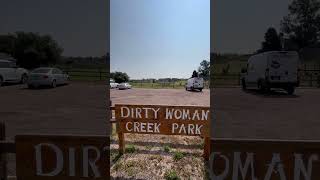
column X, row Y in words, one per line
column 275, row 69
column 195, row 83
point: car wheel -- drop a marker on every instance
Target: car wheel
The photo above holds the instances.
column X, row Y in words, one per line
column 30, row 86
column 24, row 79
column 200, row 90
column 54, row 84
column 1, row 81
column 243, row 83
column 290, row 90
column 260, row 86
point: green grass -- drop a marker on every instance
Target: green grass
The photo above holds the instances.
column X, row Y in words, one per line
column 178, row 155
column 171, row 175
column 166, row 148
column 172, row 85
column 131, row 148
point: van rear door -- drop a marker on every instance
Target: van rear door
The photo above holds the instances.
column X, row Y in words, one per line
column 283, row 67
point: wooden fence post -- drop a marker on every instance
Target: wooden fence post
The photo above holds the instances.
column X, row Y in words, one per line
column 3, row 160
column 121, row 142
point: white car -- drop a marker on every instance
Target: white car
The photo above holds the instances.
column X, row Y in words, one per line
column 124, row 86
column 47, row 76
column 113, row 84
column 10, row 73
column 195, row 83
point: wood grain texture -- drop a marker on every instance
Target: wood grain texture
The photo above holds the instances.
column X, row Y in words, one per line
column 263, row 152
column 26, row 156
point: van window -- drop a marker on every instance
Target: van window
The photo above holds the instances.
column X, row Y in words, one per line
column 55, row 71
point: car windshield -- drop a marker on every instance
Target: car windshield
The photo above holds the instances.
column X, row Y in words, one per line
column 41, row 70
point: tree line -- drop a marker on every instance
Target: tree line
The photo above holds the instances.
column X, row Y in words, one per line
column 32, row 50
column 299, row 29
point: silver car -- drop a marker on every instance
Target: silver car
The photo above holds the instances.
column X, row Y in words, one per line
column 46, row 76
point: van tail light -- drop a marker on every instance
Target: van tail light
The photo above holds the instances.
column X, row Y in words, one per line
column 45, row 77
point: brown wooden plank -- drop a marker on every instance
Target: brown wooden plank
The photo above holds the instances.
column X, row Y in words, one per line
column 167, row 120
column 266, row 159
column 73, row 165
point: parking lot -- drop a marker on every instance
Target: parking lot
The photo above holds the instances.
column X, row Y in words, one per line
column 77, row 108
column 272, row 116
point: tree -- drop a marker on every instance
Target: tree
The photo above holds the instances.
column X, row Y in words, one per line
column 194, row 74
column 31, row 49
column 302, row 24
column 272, row 41
column 204, row 69
column 119, row 77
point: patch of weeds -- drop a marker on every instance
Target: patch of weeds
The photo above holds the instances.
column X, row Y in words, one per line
column 201, row 145
column 149, row 147
column 178, row 155
column 157, row 157
column 166, row 148
column 131, row 148
column 171, row 175
column 117, row 166
column 129, row 168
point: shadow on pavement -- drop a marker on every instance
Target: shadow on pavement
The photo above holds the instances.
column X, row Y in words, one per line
column 271, row 94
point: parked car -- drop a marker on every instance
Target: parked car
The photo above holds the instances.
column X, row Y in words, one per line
column 275, row 69
column 124, row 86
column 195, row 83
column 46, row 76
column 11, row 73
column 113, row 84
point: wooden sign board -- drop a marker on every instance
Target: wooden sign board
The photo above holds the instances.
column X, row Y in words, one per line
column 264, row 159
column 167, row 120
column 62, row 157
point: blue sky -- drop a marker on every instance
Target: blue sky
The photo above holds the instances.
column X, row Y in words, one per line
column 159, row 38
